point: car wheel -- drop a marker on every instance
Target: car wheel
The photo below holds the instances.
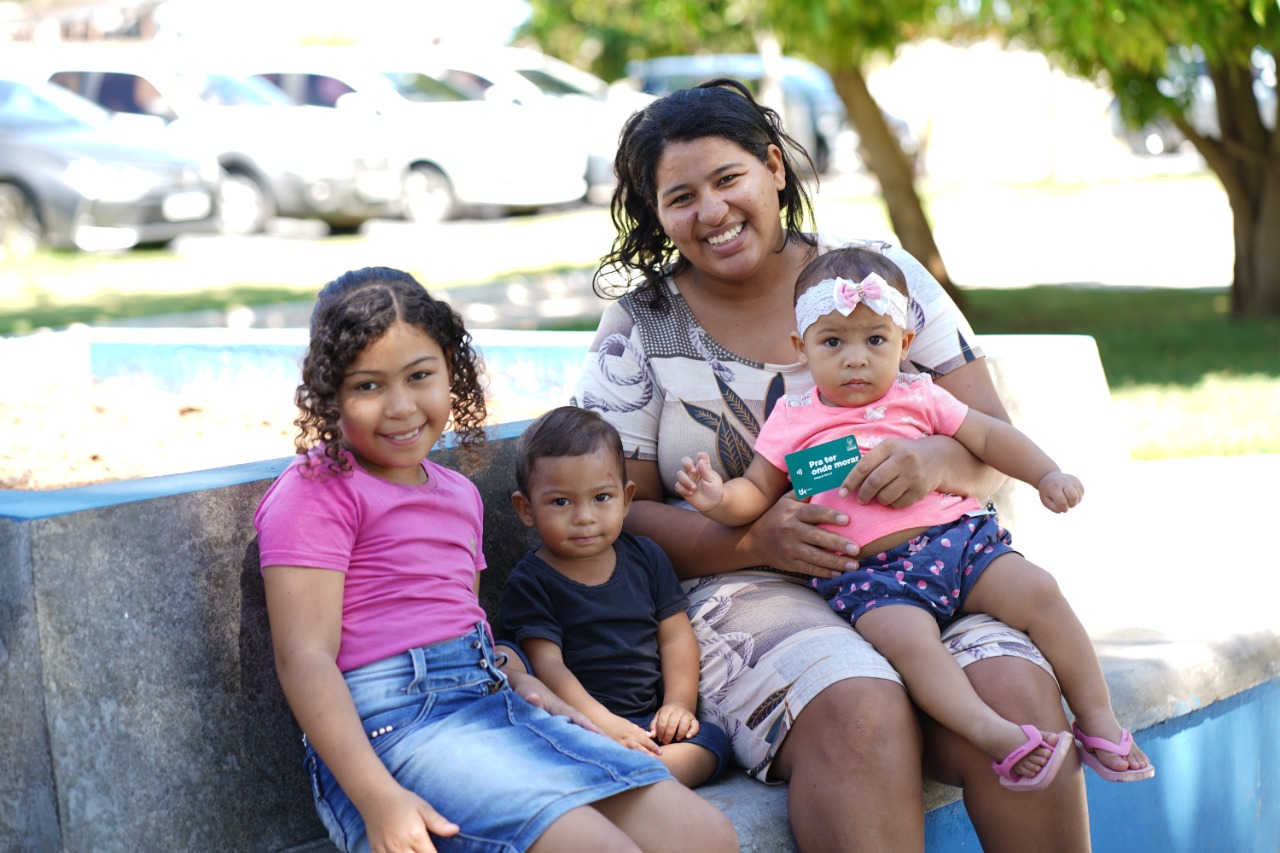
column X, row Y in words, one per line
column 243, row 204
column 20, row 229
column 428, row 196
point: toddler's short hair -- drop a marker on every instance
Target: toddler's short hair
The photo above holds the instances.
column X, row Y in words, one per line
column 566, row 431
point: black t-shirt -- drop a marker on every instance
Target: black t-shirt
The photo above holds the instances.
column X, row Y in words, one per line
column 608, row 634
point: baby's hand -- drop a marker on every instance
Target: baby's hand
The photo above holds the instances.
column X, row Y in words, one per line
column 631, row 736
column 1060, row 492
column 699, row 484
column 673, row 722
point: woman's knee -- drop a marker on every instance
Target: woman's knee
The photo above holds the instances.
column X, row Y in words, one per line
column 872, row 720
column 1018, row 690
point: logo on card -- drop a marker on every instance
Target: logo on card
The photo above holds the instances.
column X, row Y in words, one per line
column 822, row 467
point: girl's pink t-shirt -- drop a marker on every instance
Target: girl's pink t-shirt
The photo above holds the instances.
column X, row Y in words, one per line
column 410, row 553
column 913, row 407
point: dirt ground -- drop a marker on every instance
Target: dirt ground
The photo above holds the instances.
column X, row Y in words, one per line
column 120, row 431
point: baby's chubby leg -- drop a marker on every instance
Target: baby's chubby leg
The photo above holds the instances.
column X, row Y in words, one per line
column 908, row 637
column 1025, row 596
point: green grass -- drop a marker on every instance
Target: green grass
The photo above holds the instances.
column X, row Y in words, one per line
column 121, row 306
column 1145, row 336
column 1186, row 379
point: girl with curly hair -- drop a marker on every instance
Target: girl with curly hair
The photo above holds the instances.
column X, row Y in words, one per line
column 419, row 735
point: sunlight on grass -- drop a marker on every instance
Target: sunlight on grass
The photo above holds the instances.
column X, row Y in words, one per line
column 1219, row 416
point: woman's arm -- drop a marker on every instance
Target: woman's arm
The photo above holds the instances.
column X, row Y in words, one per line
column 786, row 537
column 304, row 607
column 899, row 472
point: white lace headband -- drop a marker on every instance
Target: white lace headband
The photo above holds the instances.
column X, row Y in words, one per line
column 843, row 295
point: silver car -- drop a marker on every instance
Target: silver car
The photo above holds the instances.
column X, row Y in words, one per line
column 70, row 178
column 279, row 159
column 457, row 153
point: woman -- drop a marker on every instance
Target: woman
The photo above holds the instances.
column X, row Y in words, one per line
column 710, row 212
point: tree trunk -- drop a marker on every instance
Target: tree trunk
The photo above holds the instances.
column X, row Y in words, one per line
column 1246, row 159
column 897, row 179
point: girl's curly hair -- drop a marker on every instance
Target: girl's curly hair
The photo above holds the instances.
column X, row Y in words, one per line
column 642, row 252
column 353, row 311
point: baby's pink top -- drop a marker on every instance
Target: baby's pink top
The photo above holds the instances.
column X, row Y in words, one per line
column 913, row 407
column 410, row 553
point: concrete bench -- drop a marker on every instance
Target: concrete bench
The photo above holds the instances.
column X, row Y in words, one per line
column 141, row 710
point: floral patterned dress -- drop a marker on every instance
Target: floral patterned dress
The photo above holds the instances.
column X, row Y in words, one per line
column 768, row 643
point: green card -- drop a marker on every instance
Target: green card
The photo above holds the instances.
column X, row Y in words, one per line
column 823, row 467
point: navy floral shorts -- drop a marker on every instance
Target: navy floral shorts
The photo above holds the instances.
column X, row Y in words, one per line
column 934, row 571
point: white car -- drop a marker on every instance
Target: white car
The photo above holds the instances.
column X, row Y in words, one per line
column 569, row 100
column 278, row 158
column 457, row 153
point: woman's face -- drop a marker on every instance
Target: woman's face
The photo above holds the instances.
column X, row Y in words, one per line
column 719, row 205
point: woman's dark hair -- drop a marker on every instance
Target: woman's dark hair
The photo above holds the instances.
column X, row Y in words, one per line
column 353, row 311
column 566, row 431
column 854, row 263
column 720, row 107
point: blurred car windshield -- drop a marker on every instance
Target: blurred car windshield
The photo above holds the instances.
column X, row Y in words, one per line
column 46, row 107
column 222, row 90
column 423, row 89
column 550, row 85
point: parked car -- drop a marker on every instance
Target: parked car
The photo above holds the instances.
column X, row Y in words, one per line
column 814, row 113
column 454, row 153
column 279, row 159
column 577, row 104
column 70, row 178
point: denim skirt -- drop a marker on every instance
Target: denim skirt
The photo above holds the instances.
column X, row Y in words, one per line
column 445, row 722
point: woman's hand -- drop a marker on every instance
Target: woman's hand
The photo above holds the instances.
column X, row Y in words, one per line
column 538, row 694
column 787, row 537
column 898, row 472
column 673, row 722
column 401, row 822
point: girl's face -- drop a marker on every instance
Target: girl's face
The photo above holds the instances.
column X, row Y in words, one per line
column 719, row 205
column 394, row 403
column 854, row 360
column 577, row 505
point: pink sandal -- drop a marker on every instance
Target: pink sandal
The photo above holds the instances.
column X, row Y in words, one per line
column 1086, row 749
column 1035, row 740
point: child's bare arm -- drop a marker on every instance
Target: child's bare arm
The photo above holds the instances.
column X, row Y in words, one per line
column 679, row 658
column 548, row 663
column 731, row 502
column 304, row 607
column 1010, row 451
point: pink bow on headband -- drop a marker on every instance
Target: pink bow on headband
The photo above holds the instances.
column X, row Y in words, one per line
column 847, row 294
